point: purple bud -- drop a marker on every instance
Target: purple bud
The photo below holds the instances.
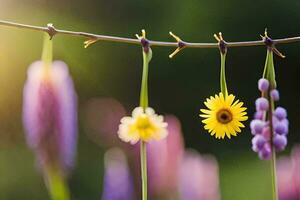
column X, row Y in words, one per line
column 281, row 127
column 263, row 85
column 280, row 113
column 274, row 94
column 262, row 104
column 259, row 115
column 280, row 142
column 257, row 126
column 50, row 115
column 258, row 143
column 265, row 153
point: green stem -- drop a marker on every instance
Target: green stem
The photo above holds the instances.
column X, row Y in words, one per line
column 57, row 186
column 223, row 76
column 265, row 73
column 143, row 154
column 144, row 104
column 269, row 73
column 144, row 87
column 47, row 50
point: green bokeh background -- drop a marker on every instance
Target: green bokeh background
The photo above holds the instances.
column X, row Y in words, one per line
column 177, row 86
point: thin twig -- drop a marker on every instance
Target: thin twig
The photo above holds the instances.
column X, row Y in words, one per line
column 52, row 31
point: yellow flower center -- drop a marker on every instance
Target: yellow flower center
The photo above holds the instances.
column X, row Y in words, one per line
column 145, row 126
column 224, row 116
column 143, row 122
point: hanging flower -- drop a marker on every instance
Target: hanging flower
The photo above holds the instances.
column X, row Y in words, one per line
column 50, row 113
column 223, row 116
column 144, row 125
column 263, row 138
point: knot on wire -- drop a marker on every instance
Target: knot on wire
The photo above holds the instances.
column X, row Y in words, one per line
column 180, row 45
column 222, row 43
column 51, row 30
column 270, row 44
column 144, row 41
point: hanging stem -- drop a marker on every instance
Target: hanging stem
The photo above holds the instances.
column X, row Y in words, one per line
column 144, row 104
column 223, row 76
column 47, row 53
column 269, row 73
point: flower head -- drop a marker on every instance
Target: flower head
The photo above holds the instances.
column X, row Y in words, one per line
column 223, row 116
column 49, row 114
column 143, row 125
column 265, row 135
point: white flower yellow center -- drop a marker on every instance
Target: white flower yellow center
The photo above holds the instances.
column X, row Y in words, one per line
column 143, row 125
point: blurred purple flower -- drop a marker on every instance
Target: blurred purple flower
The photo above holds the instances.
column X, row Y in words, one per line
column 102, row 120
column 164, row 157
column 50, row 115
column 118, row 183
column 198, row 177
column 288, row 176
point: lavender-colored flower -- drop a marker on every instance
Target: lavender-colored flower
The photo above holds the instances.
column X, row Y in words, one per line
column 263, row 85
column 281, row 127
column 50, row 114
column 279, row 142
column 198, row 177
column 257, row 126
column 118, row 182
column 258, row 143
column 274, row 94
column 265, row 152
column 280, row 113
column 262, row 104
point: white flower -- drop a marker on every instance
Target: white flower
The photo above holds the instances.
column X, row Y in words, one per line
column 143, row 125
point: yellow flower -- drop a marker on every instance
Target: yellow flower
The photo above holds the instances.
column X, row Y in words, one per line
column 223, row 116
column 143, row 125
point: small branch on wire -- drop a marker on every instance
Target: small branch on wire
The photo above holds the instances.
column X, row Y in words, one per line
column 93, row 38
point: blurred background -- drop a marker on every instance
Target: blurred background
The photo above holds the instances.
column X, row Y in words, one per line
column 177, row 86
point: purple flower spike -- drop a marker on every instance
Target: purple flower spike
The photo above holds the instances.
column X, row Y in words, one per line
column 280, row 142
column 281, row 127
column 257, row 126
column 274, row 95
column 50, row 115
column 258, row 143
column 280, row 113
column 265, row 153
column 262, row 104
column 263, row 85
